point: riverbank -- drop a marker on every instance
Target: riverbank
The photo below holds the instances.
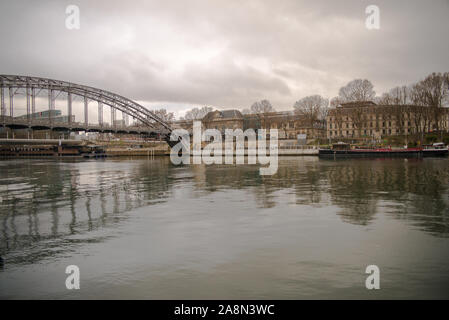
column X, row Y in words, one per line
column 23, row 148
column 117, row 152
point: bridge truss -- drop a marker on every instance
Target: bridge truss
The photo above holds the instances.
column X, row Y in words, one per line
column 149, row 122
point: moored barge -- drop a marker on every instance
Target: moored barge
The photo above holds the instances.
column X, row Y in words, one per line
column 50, row 150
column 344, row 150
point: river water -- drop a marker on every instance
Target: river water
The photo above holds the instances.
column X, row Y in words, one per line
column 146, row 229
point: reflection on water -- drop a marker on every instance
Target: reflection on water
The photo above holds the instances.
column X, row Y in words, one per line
column 225, row 231
column 47, row 200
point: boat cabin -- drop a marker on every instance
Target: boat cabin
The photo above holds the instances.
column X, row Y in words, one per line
column 341, row 146
column 437, row 145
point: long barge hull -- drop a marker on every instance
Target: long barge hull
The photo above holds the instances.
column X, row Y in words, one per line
column 384, row 153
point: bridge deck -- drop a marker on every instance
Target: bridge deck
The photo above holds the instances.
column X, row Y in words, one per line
column 40, row 142
column 73, row 126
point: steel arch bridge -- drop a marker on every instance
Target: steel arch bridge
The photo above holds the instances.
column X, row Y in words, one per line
column 149, row 123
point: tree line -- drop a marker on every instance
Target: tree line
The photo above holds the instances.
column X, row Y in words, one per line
column 427, row 96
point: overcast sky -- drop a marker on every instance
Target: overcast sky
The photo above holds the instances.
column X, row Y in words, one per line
column 226, row 54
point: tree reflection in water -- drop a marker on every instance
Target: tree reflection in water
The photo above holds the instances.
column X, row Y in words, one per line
column 51, row 206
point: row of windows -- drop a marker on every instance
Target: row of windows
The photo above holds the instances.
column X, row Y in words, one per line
column 384, row 124
column 368, row 132
column 364, row 118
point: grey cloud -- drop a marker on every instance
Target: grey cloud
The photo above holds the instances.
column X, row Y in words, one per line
column 225, row 53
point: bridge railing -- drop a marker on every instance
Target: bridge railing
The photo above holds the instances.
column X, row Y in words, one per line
column 30, row 123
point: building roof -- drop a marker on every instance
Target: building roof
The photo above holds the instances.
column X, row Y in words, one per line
column 225, row 114
column 357, row 104
column 231, row 113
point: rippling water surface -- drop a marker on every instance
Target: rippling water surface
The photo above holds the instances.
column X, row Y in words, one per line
column 140, row 228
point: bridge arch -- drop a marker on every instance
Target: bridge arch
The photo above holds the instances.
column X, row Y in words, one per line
column 115, row 101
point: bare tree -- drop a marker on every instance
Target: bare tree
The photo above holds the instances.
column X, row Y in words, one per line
column 429, row 98
column 400, row 95
column 418, row 94
column 263, row 106
column 435, row 91
column 312, row 108
column 335, row 102
column 324, row 112
column 164, row 115
column 394, row 106
column 396, row 96
column 357, row 90
column 399, row 115
column 196, row 113
column 357, row 116
column 417, row 118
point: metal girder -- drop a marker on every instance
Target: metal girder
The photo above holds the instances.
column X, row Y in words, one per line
column 100, row 113
column 2, row 102
column 69, row 106
column 126, row 106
